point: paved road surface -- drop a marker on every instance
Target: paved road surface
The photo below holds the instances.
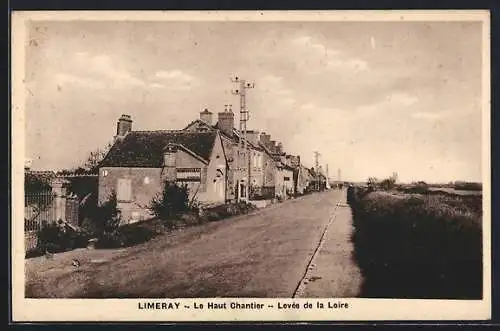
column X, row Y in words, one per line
column 282, row 251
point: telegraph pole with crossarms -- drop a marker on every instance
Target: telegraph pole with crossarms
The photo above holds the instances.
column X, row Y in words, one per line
column 243, row 85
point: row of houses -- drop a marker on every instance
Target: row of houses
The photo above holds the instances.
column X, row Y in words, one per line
column 206, row 155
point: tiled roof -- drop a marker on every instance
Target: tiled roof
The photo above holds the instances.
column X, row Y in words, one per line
column 145, row 148
column 237, row 136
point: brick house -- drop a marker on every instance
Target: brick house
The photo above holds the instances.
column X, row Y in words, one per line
column 139, row 162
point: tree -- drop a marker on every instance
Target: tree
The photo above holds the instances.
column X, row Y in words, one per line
column 388, row 183
column 95, row 157
column 91, row 163
column 372, row 181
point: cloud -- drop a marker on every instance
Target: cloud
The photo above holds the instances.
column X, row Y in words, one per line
column 96, row 72
column 177, row 79
column 328, row 58
column 426, row 115
column 314, row 47
column 274, row 85
column 432, row 116
column 64, row 79
column 402, row 99
column 393, row 101
column 156, row 86
column 354, row 64
column 107, row 68
column 174, row 74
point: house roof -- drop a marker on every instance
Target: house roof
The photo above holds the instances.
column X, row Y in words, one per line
column 237, row 136
column 144, row 149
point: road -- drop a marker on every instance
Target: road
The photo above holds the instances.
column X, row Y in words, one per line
column 299, row 248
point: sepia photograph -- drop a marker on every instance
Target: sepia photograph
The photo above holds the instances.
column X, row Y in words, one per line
column 251, row 166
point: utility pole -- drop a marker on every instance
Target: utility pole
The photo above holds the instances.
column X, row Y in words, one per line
column 243, row 85
column 316, row 163
column 327, row 178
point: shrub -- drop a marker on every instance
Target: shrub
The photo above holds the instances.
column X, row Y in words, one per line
column 109, row 214
column 172, row 201
column 104, row 218
column 36, row 183
column 227, row 210
column 57, row 237
column 468, row 186
column 125, row 236
column 388, row 184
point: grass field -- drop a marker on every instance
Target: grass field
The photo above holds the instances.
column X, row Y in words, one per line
column 418, row 245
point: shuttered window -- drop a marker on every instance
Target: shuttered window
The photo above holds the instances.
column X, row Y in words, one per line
column 124, row 190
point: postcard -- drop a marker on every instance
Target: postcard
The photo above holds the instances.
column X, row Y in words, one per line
column 178, row 166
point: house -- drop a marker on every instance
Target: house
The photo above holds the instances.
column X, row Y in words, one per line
column 284, row 181
column 140, row 162
column 303, row 179
column 286, row 167
column 271, row 172
column 318, row 180
column 240, row 166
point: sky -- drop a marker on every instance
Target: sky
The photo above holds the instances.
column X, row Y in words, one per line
column 372, row 98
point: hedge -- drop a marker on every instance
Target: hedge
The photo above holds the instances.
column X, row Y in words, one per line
column 417, row 246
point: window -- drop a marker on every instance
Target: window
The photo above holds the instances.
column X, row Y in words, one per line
column 189, row 174
column 104, row 173
column 124, row 190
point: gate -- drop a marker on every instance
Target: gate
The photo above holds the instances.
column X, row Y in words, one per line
column 39, row 208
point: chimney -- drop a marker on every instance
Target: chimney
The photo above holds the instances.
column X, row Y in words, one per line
column 279, row 148
column 124, row 125
column 272, row 146
column 169, row 172
column 265, row 139
column 226, row 122
column 253, row 137
column 206, row 116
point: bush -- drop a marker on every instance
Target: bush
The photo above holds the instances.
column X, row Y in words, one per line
column 417, row 246
column 56, row 237
column 125, row 236
column 172, row 201
column 227, row 210
column 104, row 218
column 468, row 186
